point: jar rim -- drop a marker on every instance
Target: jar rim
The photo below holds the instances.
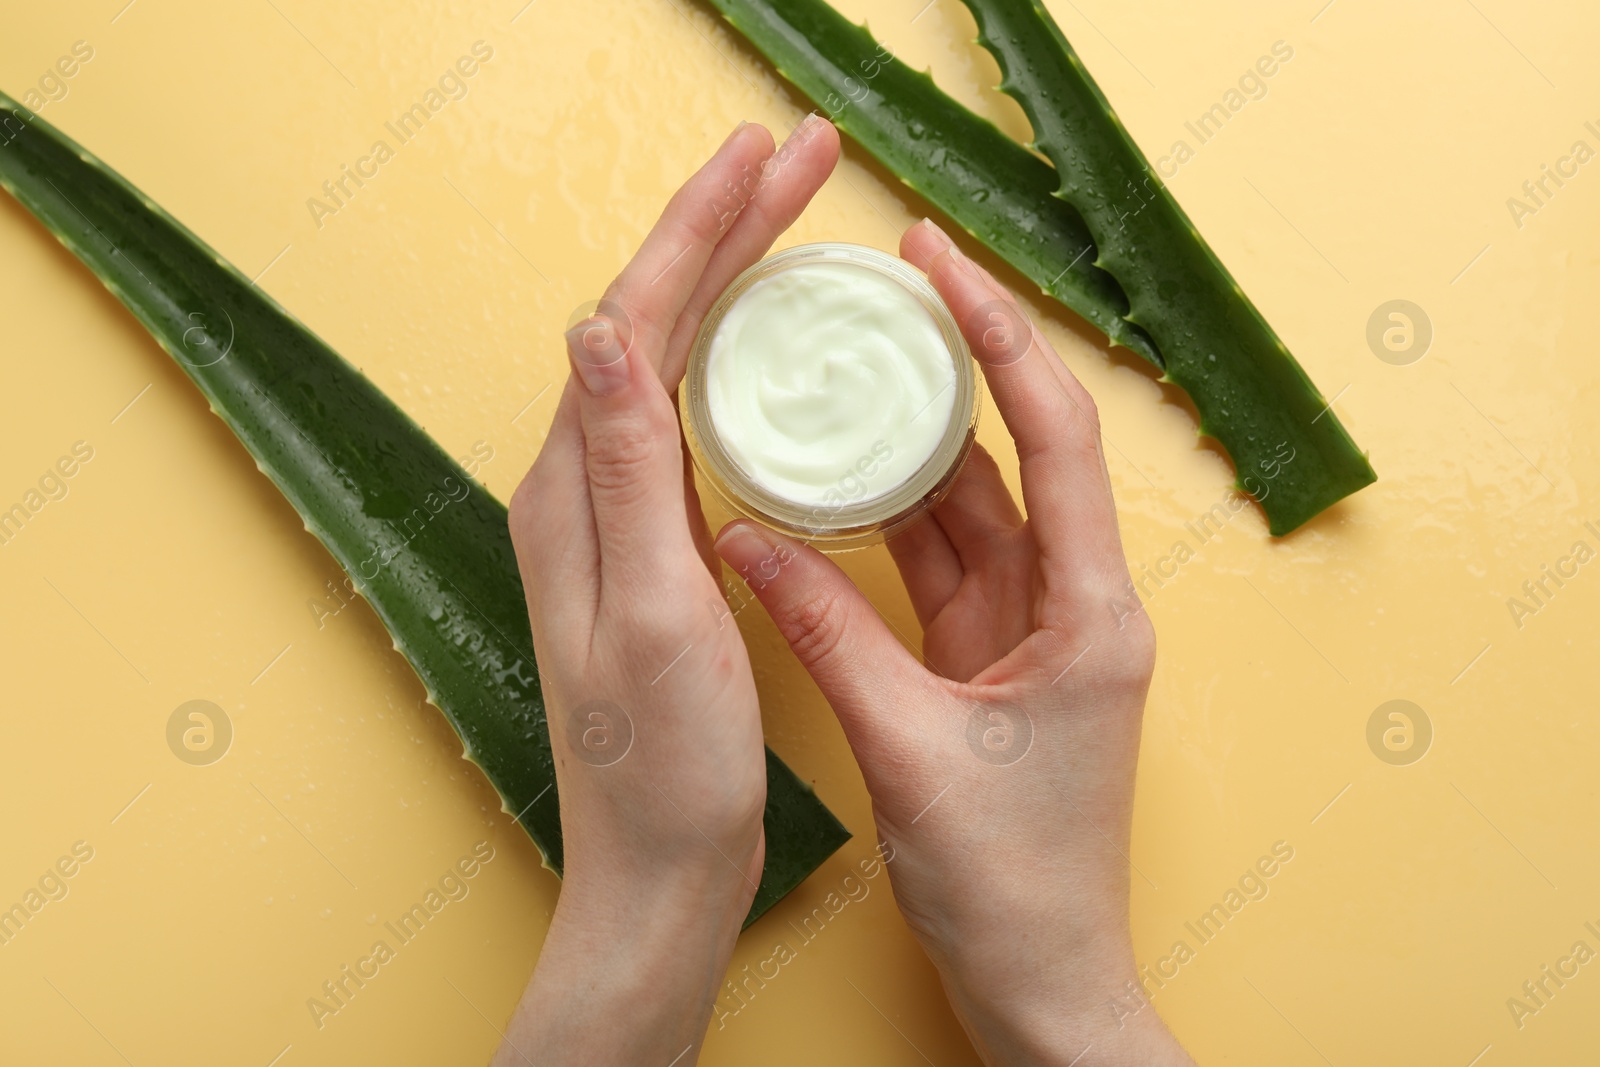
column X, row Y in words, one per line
column 853, row 524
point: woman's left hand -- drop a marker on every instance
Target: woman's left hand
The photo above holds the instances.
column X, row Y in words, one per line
column 652, row 708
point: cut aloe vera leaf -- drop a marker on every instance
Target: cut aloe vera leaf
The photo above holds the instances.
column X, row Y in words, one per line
column 987, row 183
column 425, row 544
column 1251, row 394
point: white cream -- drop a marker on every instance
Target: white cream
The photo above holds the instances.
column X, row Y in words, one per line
column 829, row 383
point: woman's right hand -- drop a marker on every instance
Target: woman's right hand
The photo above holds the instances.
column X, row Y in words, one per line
column 653, row 719
column 1002, row 771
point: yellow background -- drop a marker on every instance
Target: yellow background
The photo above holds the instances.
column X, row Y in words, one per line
column 1377, row 167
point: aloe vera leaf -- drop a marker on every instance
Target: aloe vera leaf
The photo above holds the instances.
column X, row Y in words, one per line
column 425, row 544
column 1252, row 395
column 986, row 182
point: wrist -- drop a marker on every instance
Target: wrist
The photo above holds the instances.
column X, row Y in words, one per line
column 666, row 900
column 627, row 974
column 1107, row 1027
column 672, row 935
column 1087, row 1010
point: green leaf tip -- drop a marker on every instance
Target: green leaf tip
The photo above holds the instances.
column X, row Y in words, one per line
column 1252, row 395
column 1151, row 281
column 427, row 546
column 987, row 183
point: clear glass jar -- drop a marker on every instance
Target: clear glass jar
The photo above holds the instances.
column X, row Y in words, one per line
column 849, row 524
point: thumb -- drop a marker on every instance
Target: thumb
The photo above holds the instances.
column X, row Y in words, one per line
column 834, row 631
column 631, row 456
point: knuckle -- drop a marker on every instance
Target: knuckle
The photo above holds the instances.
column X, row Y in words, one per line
column 622, row 452
column 1118, row 646
column 1142, row 643
column 705, row 222
column 1085, row 415
column 1072, row 409
column 999, row 334
column 1133, row 661
column 654, row 643
column 814, row 627
column 617, row 456
column 637, row 317
column 1089, row 410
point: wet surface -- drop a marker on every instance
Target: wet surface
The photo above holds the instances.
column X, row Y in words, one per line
column 1377, row 166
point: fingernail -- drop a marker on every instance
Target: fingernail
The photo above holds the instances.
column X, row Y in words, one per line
column 742, row 124
column 938, row 232
column 791, row 144
column 598, row 355
column 755, row 552
column 742, row 541
column 958, row 258
column 966, row 265
column 802, row 127
column 958, row 265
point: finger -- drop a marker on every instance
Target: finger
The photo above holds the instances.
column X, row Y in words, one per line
column 698, row 530
column 836, row 634
column 923, row 241
column 929, row 567
column 553, row 533
column 632, row 460
column 1049, row 414
column 557, row 471
column 652, row 289
column 979, row 507
column 788, row 181
column 933, row 555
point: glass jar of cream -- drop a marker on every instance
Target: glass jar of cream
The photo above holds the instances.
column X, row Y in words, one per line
column 830, row 395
